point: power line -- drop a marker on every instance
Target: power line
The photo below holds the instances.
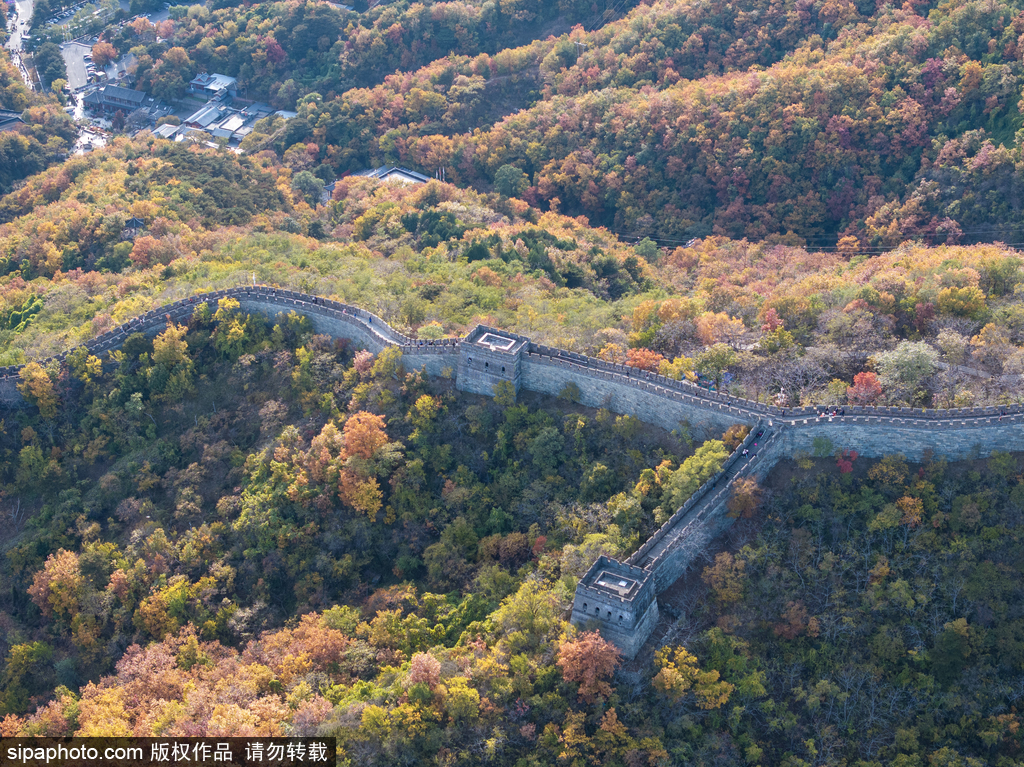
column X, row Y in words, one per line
column 667, row 241
column 606, row 14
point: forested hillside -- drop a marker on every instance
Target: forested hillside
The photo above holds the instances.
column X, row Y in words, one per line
column 241, row 527
column 806, row 122
column 233, row 473
column 178, row 506
column 939, row 327
column 44, row 136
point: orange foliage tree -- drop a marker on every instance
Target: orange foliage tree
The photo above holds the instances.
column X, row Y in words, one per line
column 103, row 53
column 645, row 359
column 865, row 390
column 719, row 327
column 746, row 495
column 590, row 661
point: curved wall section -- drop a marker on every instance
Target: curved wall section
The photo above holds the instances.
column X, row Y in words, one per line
column 620, row 597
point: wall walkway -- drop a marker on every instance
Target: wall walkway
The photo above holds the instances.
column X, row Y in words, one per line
column 871, row 431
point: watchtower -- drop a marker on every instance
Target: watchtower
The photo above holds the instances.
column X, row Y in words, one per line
column 488, row 356
column 620, row 600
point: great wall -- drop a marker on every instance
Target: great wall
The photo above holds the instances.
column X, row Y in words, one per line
column 620, row 597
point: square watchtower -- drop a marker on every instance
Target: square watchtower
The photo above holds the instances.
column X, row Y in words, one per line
column 488, row 356
column 619, row 600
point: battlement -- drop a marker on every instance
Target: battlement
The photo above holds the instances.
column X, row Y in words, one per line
column 619, row 600
column 488, row 356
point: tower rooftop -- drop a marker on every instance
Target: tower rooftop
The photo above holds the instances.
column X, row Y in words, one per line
column 490, row 339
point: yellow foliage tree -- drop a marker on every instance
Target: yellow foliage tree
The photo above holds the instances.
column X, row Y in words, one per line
column 679, row 674
column 84, row 366
column 719, row 327
column 37, row 388
column 725, row 578
column 677, row 368
column 912, row 510
column 102, row 713
column 170, row 347
column 963, row 302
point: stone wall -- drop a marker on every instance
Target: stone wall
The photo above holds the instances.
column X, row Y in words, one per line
column 631, row 641
column 626, row 621
column 629, row 395
column 876, row 437
column 872, row 432
column 437, row 361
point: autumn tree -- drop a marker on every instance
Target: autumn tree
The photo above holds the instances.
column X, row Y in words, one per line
column 677, row 368
column 645, row 359
column 796, row 621
column 745, row 498
column 589, row 660
column 59, row 587
column 954, row 346
column 726, row 578
column 911, row 511
column 715, row 328
column 966, row 301
column 844, row 461
column 37, row 388
column 388, row 363
column 424, row 669
column 84, row 366
column 865, row 390
column 103, row 53
column 171, row 375
column 771, row 321
column 679, row 674
column 734, row 435
column 364, row 434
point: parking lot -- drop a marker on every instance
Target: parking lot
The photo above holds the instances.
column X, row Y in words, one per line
column 74, row 59
column 60, row 18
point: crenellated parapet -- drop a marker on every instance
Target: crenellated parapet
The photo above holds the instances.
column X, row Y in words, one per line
column 620, row 598
column 487, row 357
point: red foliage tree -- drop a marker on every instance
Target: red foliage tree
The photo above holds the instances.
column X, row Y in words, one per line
column 923, row 315
column 772, row 321
column 845, row 461
column 865, row 390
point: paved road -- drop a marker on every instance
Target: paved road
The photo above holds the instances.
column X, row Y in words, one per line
column 24, row 13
